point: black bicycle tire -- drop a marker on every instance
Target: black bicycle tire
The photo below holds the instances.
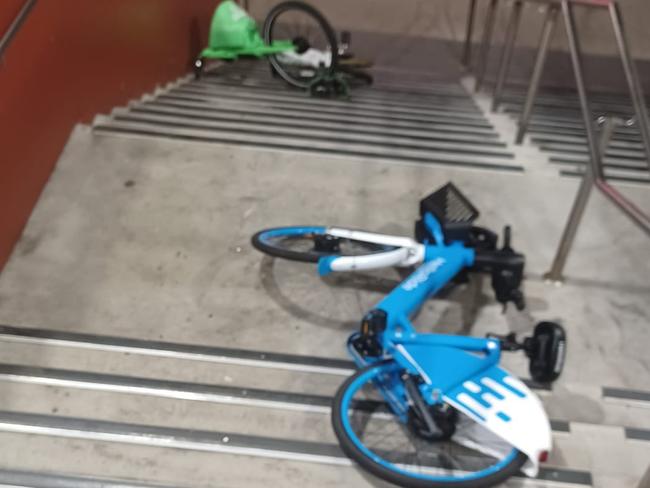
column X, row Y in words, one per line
column 353, row 452
column 274, row 251
column 307, row 256
column 324, row 24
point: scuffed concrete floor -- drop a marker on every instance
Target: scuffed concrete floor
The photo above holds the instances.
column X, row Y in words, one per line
column 149, row 239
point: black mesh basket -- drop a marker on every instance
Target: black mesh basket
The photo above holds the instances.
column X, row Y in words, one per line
column 452, row 209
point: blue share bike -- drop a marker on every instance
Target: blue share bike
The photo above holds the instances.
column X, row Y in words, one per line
column 433, row 410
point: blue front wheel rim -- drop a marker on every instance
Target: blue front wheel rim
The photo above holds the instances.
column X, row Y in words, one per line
column 391, row 466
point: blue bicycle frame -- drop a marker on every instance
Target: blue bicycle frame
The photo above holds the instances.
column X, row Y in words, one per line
column 442, row 361
column 414, row 371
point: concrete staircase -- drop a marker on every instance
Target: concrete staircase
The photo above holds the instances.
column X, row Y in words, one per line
column 253, row 405
column 146, row 344
column 413, row 123
column 195, row 415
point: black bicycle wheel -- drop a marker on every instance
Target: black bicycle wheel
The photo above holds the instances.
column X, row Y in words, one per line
column 310, row 243
column 391, row 444
column 307, row 29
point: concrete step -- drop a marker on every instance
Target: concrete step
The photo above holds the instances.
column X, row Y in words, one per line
column 12, row 478
column 391, row 95
column 90, row 415
column 613, row 174
column 307, row 133
column 175, row 362
column 261, row 76
column 224, row 394
column 235, row 410
column 153, row 402
column 221, row 442
column 580, row 151
column 251, row 417
column 463, row 108
column 582, row 141
column 227, row 106
column 571, row 105
column 307, row 105
column 554, row 119
column 177, row 467
column 342, row 125
column 107, row 408
column 332, row 147
column 285, row 373
column 611, row 165
column 545, row 129
column 245, row 377
column 128, row 465
column 574, row 126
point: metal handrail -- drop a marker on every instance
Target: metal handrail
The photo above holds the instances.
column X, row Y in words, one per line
column 15, row 25
column 594, row 176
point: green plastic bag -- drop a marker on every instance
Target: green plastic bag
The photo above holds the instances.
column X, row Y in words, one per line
column 234, row 33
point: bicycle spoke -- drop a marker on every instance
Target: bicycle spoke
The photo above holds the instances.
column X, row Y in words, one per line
column 400, row 444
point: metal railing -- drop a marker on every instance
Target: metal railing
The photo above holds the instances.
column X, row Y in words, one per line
column 15, row 25
column 594, row 176
column 554, row 8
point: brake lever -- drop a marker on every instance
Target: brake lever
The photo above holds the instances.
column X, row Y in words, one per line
column 506, row 277
column 507, row 269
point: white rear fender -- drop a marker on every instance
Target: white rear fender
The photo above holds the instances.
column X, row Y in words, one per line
column 401, row 256
column 360, row 235
column 408, row 253
column 506, row 406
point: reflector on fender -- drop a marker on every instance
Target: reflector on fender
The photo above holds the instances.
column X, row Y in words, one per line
column 543, row 456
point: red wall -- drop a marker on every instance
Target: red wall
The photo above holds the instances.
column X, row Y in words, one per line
column 71, row 60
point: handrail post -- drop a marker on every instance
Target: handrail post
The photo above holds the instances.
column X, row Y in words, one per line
column 486, row 43
column 540, row 60
column 15, row 26
column 506, row 55
column 469, row 34
column 593, row 171
column 594, row 177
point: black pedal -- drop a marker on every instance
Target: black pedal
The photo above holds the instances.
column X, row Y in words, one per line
column 547, row 351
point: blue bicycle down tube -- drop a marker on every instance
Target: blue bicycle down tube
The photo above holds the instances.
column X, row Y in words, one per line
column 441, row 264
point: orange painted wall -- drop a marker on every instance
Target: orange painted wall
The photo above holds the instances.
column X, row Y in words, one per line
column 71, row 60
